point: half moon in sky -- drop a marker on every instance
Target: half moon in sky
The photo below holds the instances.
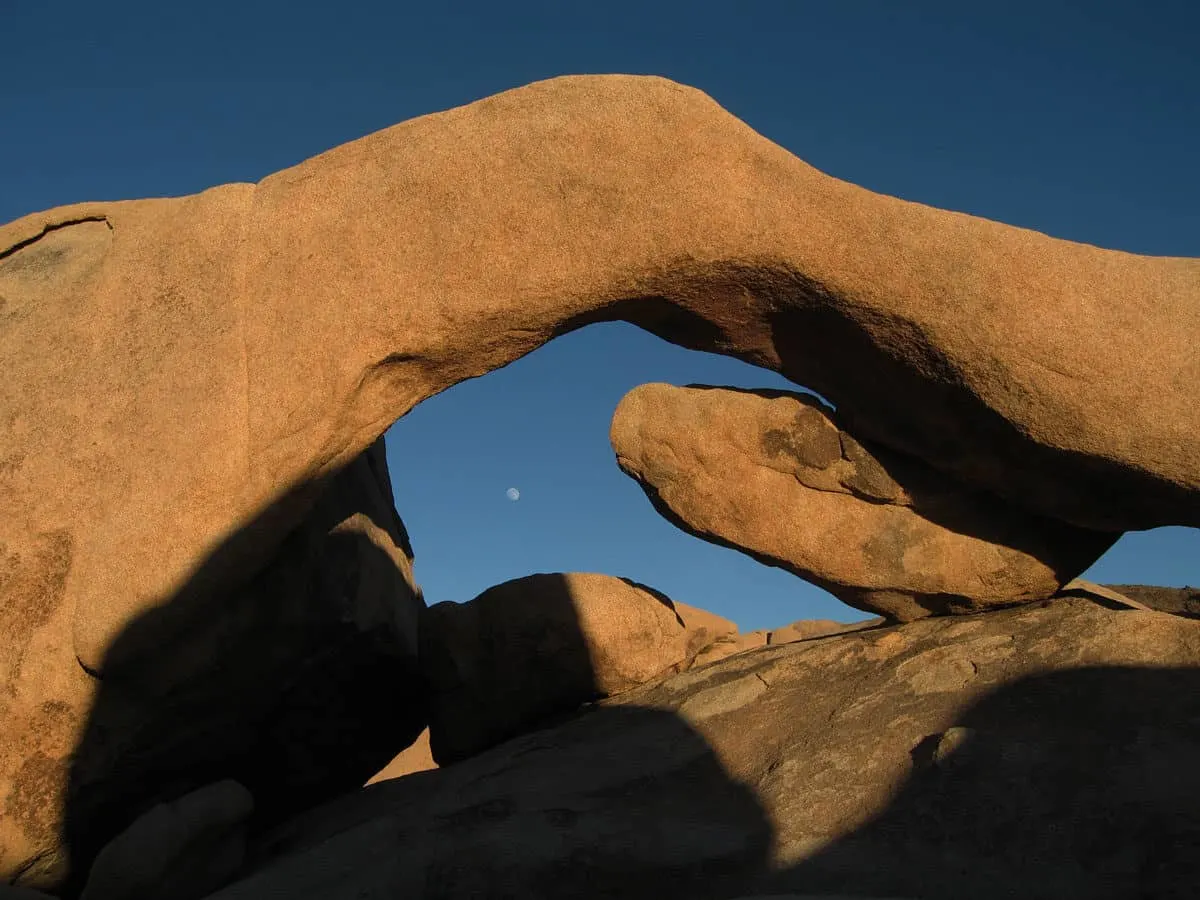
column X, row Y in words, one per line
column 513, row 494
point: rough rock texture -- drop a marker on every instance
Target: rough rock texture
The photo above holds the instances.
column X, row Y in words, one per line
column 1079, row 587
column 180, row 374
column 802, row 630
column 703, row 628
column 1045, row 751
column 298, row 684
column 772, row 474
column 806, row 629
column 535, row 647
column 1184, row 601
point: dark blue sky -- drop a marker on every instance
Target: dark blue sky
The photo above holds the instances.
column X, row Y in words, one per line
column 1080, row 119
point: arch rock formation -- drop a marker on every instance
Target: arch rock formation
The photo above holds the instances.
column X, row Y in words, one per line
column 184, row 376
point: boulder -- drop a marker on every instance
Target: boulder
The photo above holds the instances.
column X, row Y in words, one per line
column 703, row 628
column 182, row 850
column 298, row 684
column 1042, row 752
column 774, row 475
column 539, row 646
column 182, row 376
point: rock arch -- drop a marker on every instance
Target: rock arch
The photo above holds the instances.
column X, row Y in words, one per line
column 184, row 375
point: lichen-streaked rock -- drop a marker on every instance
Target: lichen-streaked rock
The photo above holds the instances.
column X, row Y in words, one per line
column 540, row 646
column 772, row 474
column 179, row 370
column 1044, row 751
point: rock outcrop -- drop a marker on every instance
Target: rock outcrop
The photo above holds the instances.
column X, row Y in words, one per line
column 800, row 630
column 537, row 647
column 183, row 377
column 1044, row 751
column 182, row 850
column 704, row 628
column 299, row 684
column 806, row 629
column 1184, row 601
column 772, row 474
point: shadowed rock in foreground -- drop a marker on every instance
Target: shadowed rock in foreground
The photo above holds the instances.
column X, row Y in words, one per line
column 1044, row 752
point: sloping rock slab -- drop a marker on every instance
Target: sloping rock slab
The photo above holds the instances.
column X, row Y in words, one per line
column 1182, row 601
column 1046, row 751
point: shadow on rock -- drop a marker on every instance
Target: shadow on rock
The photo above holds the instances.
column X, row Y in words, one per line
column 751, row 776
column 1078, row 783
column 298, row 683
column 624, row 802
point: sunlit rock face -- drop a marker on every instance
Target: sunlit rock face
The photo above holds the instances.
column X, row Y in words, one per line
column 183, row 376
column 772, row 474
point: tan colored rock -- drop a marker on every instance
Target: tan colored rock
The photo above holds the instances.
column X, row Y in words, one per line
column 729, row 644
column 772, row 474
column 539, row 646
column 1100, row 592
column 1043, row 752
column 703, row 628
column 177, row 370
column 299, row 684
column 417, row 758
column 182, row 850
column 805, row 629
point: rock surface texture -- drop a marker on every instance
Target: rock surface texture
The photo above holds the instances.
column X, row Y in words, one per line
column 1045, row 751
column 535, row 647
column 771, row 473
column 1184, row 601
column 299, row 684
column 183, row 376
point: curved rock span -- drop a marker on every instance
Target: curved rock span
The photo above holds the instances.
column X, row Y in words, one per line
column 770, row 473
column 184, row 376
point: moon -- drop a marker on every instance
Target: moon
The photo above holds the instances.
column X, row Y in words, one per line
column 513, row 494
